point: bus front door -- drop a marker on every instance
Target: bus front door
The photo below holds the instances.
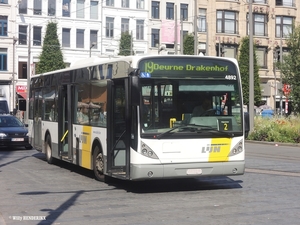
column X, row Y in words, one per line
column 118, row 130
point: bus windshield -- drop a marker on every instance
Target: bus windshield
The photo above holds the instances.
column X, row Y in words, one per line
column 170, row 103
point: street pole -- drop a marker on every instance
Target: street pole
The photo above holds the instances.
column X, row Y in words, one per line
column 281, row 60
column 251, row 75
column 181, row 35
column 101, row 26
column 175, row 35
column 28, row 73
column 195, row 28
column 275, row 78
column 13, row 77
column 207, row 41
column 131, row 44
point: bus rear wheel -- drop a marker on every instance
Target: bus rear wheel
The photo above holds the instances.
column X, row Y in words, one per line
column 48, row 149
column 98, row 164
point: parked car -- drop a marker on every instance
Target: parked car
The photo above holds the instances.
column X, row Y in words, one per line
column 13, row 133
column 268, row 113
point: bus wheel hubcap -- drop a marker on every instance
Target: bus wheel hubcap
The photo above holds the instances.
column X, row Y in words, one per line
column 99, row 163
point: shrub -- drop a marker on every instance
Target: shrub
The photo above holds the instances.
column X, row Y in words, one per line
column 276, row 129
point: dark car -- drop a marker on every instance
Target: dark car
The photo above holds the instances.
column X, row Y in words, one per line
column 13, row 133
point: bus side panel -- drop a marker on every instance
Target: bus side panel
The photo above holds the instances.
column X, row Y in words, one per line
column 83, row 139
column 50, row 128
column 31, row 133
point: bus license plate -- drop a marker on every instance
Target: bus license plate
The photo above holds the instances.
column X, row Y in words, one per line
column 193, row 171
column 17, row 139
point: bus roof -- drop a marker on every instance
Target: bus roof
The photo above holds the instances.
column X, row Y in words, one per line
column 133, row 60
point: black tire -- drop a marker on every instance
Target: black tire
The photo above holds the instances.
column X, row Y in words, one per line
column 98, row 164
column 48, row 150
column 28, row 147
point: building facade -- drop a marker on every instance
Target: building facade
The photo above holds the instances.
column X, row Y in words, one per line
column 88, row 28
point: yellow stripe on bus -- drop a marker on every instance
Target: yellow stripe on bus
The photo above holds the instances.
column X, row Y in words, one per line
column 220, row 148
column 86, row 147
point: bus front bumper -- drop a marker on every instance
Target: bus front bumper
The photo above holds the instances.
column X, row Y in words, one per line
column 191, row 170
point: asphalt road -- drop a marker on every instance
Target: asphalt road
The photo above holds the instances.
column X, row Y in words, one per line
column 34, row 192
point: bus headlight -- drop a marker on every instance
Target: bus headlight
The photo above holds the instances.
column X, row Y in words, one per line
column 238, row 148
column 147, row 151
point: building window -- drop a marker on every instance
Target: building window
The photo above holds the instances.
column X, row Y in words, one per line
column 37, row 7
column 124, row 25
column 155, row 10
column 202, row 20
column 184, row 33
column 140, row 4
column 23, row 7
column 184, row 12
column 109, row 27
column 283, row 26
column 3, row 1
column 230, row 51
column 259, row 1
column 79, row 38
column 51, row 7
column 260, row 27
column 289, row 3
column 140, row 30
column 227, row 22
column 155, row 38
column 261, row 55
column 94, row 10
column 3, row 59
column 3, row 25
column 80, row 9
column 22, row 35
column 66, row 37
column 66, row 8
column 260, row 24
column 37, row 36
column 94, row 38
column 109, row 2
column 170, row 11
column 125, row 3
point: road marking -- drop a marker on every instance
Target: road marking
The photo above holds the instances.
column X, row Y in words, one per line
column 292, row 174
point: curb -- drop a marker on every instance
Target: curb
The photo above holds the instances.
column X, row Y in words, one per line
column 273, row 143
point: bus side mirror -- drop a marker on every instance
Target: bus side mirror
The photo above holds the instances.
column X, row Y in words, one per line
column 135, row 90
column 247, row 123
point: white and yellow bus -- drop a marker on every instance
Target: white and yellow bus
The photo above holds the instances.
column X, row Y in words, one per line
column 139, row 121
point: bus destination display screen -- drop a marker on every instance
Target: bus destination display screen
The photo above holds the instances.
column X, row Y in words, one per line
column 185, row 67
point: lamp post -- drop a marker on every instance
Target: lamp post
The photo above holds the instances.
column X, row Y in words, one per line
column 92, row 45
column 251, row 70
column 28, row 73
column 195, row 28
column 275, row 57
column 13, row 77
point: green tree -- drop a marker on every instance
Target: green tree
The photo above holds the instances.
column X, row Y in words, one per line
column 51, row 57
column 125, row 44
column 290, row 67
column 244, row 69
column 188, row 44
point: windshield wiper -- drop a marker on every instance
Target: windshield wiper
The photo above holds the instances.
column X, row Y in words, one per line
column 198, row 129
column 191, row 127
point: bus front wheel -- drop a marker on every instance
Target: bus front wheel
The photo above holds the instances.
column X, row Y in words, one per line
column 48, row 150
column 98, row 164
